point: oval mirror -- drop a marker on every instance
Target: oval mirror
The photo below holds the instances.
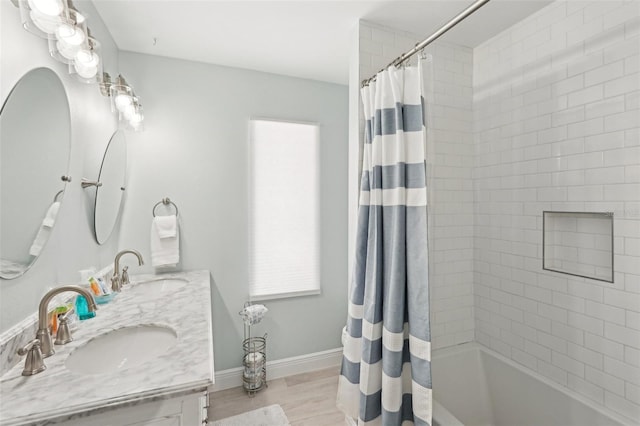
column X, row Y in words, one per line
column 111, row 190
column 35, row 140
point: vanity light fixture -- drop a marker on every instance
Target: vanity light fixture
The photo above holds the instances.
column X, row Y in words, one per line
column 70, row 42
column 135, row 122
column 43, row 17
column 70, row 37
column 124, row 101
column 121, row 95
column 87, row 63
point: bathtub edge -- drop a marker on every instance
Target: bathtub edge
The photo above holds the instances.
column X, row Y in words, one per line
column 473, row 346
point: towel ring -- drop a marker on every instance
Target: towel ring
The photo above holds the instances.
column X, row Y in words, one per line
column 165, row 201
column 55, row 198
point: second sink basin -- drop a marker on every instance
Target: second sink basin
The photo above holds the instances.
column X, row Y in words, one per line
column 122, row 348
column 157, row 288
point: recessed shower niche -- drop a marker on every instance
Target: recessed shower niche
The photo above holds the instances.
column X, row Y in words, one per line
column 578, row 243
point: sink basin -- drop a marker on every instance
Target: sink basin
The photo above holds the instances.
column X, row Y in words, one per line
column 158, row 287
column 122, row 348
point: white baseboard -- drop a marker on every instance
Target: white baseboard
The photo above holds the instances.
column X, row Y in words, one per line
column 276, row 369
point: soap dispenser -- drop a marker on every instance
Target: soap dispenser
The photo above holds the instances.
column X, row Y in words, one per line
column 82, row 308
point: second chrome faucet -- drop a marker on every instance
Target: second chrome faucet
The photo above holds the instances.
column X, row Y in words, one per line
column 117, row 280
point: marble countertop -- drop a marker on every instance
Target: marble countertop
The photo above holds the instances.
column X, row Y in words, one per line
column 58, row 394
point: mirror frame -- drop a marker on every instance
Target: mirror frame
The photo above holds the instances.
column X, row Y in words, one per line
column 99, row 188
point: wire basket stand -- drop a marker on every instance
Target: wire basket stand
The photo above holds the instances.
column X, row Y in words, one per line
column 254, row 360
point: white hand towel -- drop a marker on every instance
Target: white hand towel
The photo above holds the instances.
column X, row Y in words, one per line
column 50, row 218
column 45, row 229
column 40, row 240
column 167, row 226
column 164, row 251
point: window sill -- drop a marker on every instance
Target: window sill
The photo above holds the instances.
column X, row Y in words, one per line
column 260, row 297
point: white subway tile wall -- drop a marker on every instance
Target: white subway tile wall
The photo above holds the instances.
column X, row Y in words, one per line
column 556, row 120
column 450, row 152
column 544, row 116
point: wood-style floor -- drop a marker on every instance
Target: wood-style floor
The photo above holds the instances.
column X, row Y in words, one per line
column 307, row 399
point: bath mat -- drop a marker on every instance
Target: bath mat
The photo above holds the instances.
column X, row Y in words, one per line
column 272, row 415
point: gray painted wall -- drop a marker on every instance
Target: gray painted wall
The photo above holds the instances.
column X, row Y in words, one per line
column 194, row 150
column 71, row 246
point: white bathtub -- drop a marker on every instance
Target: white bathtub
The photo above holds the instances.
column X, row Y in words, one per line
column 481, row 388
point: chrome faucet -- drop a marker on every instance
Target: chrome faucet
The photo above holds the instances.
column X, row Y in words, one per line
column 116, row 280
column 43, row 334
column 42, row 347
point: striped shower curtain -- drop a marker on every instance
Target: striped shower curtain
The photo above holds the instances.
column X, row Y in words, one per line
column 386, row 366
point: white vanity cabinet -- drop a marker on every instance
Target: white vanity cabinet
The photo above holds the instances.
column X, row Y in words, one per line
column 187, row 410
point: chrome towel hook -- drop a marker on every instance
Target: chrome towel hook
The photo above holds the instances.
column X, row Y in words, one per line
column 166, row 201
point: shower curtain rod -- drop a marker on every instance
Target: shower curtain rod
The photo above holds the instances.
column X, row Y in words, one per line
column 433, row 37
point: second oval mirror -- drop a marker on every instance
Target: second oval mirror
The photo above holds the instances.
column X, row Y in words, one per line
column 110, row 193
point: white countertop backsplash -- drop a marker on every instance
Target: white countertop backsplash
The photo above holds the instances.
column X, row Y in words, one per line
column 58, row 394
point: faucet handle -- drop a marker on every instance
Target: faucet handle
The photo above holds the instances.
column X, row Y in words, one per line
column 63, row 336
column 34, row 363
column 115, row 282
column 125, row 276
column 64, row 317
column 26, row 348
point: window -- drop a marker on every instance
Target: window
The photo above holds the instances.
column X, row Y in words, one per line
column 284, row 204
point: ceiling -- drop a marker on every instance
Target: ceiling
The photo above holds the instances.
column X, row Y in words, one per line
column 301, row 38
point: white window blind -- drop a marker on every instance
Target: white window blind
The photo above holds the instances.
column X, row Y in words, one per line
column 284, row 206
